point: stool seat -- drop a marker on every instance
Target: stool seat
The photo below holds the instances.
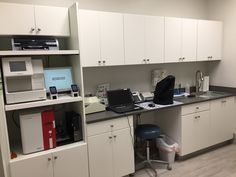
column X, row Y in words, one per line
column 148, row 131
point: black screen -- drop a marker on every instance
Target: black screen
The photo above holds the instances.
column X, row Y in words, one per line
column 74, row 88
column 16, row 66
column 53, row 90
column 119, row 97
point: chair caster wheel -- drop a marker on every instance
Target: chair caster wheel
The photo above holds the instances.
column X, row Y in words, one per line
column 131, row 175
column 169, row 167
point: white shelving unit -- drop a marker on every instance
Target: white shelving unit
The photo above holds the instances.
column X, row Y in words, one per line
column 8, row 53
column 58, row 158
column 61, row 100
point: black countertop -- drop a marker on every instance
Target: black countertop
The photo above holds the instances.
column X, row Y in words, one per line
column 107, row 115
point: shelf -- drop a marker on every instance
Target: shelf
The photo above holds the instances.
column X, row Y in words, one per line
column 8, row 53
column 61, row 99
column 21, row 156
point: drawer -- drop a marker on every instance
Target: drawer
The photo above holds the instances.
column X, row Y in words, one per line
column 109, row 125
column 193, row 108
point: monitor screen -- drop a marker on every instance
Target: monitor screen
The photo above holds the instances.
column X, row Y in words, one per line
column 119, row 97
column 61, row 78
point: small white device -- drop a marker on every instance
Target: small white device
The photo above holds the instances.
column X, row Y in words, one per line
column 53, row 93
column 23, row 79
column 137, row 97
column 92, row 105
column 31, row 132
column 147, row 96
column 74, row 90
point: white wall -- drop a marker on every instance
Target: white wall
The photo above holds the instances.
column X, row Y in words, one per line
column 224, row 73
column 138, row 77
column 180, row 8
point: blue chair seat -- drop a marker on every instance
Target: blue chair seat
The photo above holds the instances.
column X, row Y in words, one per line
column 148, row 131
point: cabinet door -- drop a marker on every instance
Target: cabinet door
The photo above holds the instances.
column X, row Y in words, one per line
column 189, row 40
column 112, row 38
column 39, row 166
column 100, row 155
column 154, row 39
column 52, row 21
column 221, row 117
column 209, row 40
column 16, row 19
column 134, row 39
column 173, row 39
column 89, row 38
column 72, row 162
column 195, row 132
column 123, row 152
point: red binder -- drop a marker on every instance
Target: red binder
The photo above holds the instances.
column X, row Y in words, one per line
column 49, row 129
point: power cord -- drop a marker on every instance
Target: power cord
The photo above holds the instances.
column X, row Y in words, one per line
column 130, row 131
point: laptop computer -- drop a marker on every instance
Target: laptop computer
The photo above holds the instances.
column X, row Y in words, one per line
column 121, row 101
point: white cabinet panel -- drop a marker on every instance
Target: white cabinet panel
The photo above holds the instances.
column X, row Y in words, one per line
column 112, row 38
column 195, row 132
column 123, row 152
column 134, row 39
column 221, row 119
column 52, row 21
column 89, row 37
column 189, row 40
column 209, row 40
column 71, row 162
column 100, row 155
column 173, row 39
column 16, row 19
column 154, row 39
column 40, row 166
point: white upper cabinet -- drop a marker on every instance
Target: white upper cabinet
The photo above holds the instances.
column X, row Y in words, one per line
column 189, row 40
column 154, row 39
column 101, row 38
column 112, row 38
column 209, row 40
column 89, row 38
column 144, row 39
column 173, row 39
column 16, row 19
column 134, row 39
column 180, row 39
column 52, row 21
column 21, row 19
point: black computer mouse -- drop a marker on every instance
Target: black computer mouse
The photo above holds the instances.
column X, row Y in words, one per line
column 151, row 105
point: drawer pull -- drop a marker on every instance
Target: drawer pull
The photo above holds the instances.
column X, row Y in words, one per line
column 114, row 136
column 224, row 101
column 110, row 137
column 111, row 126
column 197, row 107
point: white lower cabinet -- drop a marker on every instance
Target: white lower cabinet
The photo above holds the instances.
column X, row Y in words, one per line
column 111, row 154
column 195, row 132
column 71, row 162
column 222, row 119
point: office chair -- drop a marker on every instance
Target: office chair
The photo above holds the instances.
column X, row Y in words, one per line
column 149, row 132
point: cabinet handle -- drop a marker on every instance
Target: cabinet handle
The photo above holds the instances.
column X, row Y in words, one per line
column 55, row 158
column 110, row 137
column 49, row 159
column 144, row 60
column 99, row 62
column 197, row 107
column 183, row 58
column 103, row 61
column 224, row 101
column 114, row 136
column 39, row 29
column 148, row 60
column 111, row 126
column 32, row 29
column 180, row 59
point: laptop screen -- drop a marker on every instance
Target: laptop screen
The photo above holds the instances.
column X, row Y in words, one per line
column 119, row 97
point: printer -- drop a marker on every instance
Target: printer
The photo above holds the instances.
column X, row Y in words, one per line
column 93, row 104
column 34, row 43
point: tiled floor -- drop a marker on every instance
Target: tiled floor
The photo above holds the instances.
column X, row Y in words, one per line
column 217, row 163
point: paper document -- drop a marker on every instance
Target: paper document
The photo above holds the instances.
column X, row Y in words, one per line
column 145, row 105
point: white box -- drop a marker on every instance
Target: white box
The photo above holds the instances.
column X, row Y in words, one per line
column 31, row 132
